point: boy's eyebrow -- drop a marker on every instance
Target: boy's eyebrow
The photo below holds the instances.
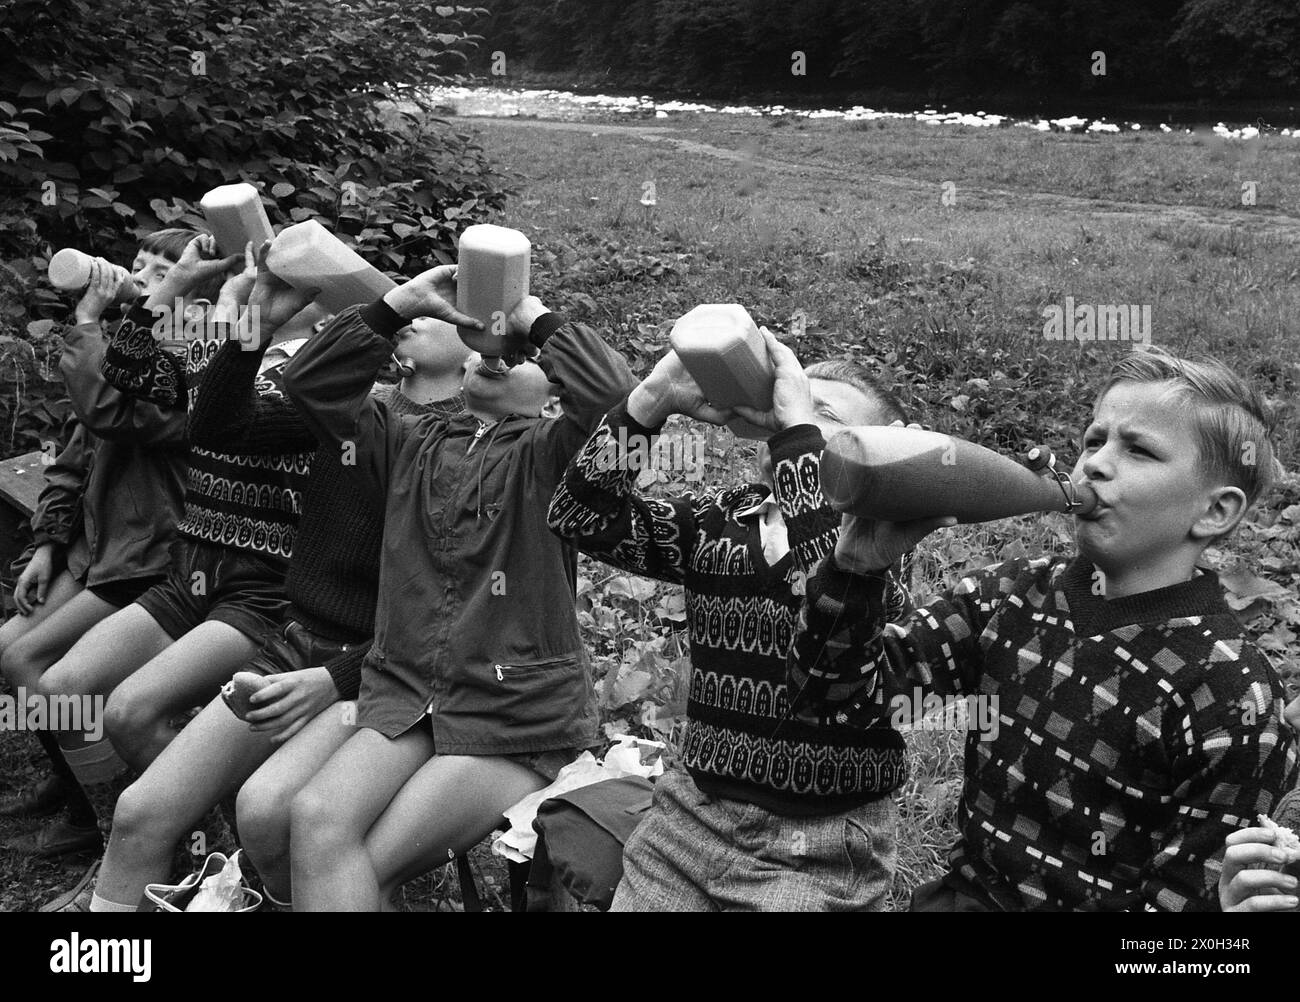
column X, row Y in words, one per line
column 1129, row 434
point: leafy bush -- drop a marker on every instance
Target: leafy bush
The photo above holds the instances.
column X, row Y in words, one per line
column 116, row 116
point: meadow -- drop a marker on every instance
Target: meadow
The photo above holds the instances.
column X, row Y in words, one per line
column 845, row 240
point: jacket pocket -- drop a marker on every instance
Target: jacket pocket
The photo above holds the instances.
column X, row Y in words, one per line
column 527, row 669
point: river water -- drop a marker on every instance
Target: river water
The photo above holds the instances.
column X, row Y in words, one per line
column 571, row 106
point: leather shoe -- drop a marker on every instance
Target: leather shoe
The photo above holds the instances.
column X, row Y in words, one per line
column 77, row 899
column 44, row 799
column 57, row 839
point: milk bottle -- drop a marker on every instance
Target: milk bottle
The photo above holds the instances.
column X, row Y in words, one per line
column 726, row 355
column 491, row 279
column 235, row 215
column 307, row 255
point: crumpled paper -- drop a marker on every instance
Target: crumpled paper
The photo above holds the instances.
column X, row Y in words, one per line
column 624, row 759
column 221, row 892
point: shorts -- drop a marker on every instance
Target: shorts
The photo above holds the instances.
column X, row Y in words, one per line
column 235, row 587
column 293, row 647
column 697, row 852
column 120, row 594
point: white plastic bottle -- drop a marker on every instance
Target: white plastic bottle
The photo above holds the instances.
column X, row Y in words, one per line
column 69, row 270
column 307, row 255
column 235, row 215
column 724, row 351
column 491, row 279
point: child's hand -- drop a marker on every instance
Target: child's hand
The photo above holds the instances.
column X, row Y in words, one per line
column 670, row 389
column 34, row 581
column 275, row 299
column 791, row 395
column 430, row 294
column 283, row 707
column 237, row 287
column 101, row 292
column 198, row 263
column 869, row 546
column 1246, row 882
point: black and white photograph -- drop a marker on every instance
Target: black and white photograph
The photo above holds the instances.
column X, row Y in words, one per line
column 662, row 456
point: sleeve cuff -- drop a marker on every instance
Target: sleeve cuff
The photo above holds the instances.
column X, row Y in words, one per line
column 618, row 416
column 790, row 443
column 345, row 671
column 139, row 314
column 383, row 319
column 844, row 594
column 544, row 327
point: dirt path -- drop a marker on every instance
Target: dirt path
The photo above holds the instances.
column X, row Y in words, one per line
column 1258, row 221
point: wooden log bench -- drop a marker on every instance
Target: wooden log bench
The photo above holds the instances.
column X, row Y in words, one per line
column 21, row 480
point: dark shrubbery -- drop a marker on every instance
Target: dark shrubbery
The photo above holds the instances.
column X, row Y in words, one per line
column 117, row 115
column 1156, row 50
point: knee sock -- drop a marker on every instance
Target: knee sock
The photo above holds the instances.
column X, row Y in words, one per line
column 80, row 811
column 98, row 904
column 99, row 774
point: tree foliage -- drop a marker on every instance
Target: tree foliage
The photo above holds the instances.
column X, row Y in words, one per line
column 1155, row 49
column 117, row 115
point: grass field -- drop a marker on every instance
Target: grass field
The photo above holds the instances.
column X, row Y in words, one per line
column 838, row 236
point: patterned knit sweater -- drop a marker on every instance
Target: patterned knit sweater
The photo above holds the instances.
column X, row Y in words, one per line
column 246, row 502
column 739, row 741
column 1134, row 734
column 333, row 580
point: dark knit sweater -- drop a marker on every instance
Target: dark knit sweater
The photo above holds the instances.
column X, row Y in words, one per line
column 333, row 580
column 247, row 502
column 739, row 742
column 1134, row 733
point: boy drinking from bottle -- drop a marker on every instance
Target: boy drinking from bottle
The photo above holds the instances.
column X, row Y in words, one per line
column 475, row 690
column 763, row 816
column 1138, row 725
column 103, row 530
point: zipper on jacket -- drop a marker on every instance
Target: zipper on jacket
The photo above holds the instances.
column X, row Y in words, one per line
column 500, row 677
column 482, row 430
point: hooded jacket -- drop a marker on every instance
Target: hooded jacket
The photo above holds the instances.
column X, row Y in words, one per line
column 475, row 624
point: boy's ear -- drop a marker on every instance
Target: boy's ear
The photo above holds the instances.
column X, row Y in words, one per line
column 552, row 408
column 1226, row 508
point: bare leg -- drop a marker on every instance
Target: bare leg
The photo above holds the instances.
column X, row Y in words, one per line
column 329, row 819
column 107, row 653
column 26, row 659
column 445, row 809
column 188, row 673
column 263, row 805
column 208, row 760
column 28, row 646
column 61, row 589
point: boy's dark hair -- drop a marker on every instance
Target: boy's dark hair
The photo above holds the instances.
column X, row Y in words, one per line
column 843, row 370
column 1233, row 424
column 171, row 243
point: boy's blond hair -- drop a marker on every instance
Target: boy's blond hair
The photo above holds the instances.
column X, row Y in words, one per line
column 1232, row 422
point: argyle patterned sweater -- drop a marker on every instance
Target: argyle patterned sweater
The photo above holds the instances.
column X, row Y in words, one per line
column 1134, row 734
column 246, row 502
column 739, row 741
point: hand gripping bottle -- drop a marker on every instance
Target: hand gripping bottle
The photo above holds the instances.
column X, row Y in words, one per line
column 69, row 270
column 899, row 474
column 726, row 355
column 235, row 215
column 491, row 279
column 307, row 255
